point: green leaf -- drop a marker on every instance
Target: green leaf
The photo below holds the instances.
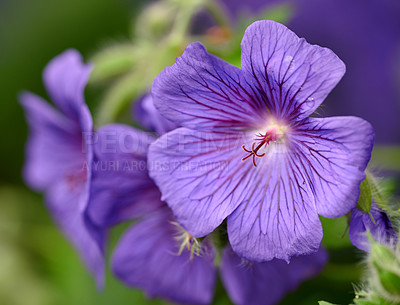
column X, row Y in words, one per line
column 324, row 303
column 365, row 200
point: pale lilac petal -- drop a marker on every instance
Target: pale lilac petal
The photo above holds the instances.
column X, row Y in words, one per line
column 121, row 187
column 278, row 217
column 147, row 115
column 59, row 155
column 335, row 152
column 65, row 78
column 54, row 148
column 294, row 76
column 249, row 283
column 200, row 176
column 201, row 91
column 378, row 224
column 147, row 257
column 66, row 203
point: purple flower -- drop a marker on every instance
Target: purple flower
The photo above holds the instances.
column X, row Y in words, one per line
column 156, row 254
column 59, row 154
column 248, row 150
column 378, row 223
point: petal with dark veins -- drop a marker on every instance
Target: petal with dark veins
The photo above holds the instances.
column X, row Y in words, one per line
column 293, row 75
column 334, row 154
column 201, row 176
column 203, row 92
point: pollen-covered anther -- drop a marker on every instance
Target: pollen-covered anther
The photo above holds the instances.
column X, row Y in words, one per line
column 187, row 241
column 191, row 244
column 261, row 140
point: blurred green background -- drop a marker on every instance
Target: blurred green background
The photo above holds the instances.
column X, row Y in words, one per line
column 37, row 264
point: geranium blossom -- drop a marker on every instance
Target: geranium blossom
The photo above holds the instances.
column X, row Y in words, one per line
column 156, row 254
column 59, row 154
column 248, row 150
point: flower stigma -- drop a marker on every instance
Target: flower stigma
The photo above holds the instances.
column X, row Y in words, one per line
column 275, row 132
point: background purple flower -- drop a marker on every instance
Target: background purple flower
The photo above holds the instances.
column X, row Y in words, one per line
column 272, row 200
column 378, row 224
column 59, row 155
column 147, row 257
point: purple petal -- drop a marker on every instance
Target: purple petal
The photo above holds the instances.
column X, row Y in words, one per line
column 335, row 152
column 278, row 217
column 200, row 176
column 147, row 258
column 249, row 283
column 59, row 155
column 380, row 227
column 147, row 115
column 66, row 203
column 121, row 187
column 201, row 91
column 65, row 78
column 273, row 208
column 294, row 76
column 54, row 149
